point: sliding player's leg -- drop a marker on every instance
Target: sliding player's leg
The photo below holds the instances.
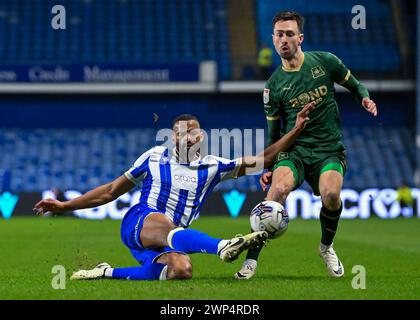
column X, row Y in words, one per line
column 164, row 264
column 330, row 184
column 156, row 265
column 150, row 234
column 285, row 177
column 152, row 230
column 159, row 231
column 179, row 266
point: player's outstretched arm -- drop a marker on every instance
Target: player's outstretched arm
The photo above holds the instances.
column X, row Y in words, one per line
column 249, row 164
column 361, row 94
column 94, row 198
column 342, row 75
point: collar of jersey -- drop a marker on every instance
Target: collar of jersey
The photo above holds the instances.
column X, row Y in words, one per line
column 297, row 68
column 177, row 158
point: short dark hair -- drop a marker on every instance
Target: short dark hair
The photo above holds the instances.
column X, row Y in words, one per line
column 184, row 117
column 290, row 15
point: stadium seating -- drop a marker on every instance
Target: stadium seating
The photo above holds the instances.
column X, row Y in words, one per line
column 40, row 159
column 185, row 31
column 328, row 28
column 114, row 31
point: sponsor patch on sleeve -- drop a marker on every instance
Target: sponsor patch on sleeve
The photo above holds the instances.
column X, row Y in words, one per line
column 266, row 95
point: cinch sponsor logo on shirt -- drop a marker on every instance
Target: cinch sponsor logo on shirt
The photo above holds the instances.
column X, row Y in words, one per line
column 185, row 178
column 313, row 95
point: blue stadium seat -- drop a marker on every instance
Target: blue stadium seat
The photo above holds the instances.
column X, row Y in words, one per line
column 84, row 158
column 113, row 31
column 328, row 28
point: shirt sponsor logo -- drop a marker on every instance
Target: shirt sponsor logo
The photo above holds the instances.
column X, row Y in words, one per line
column 313, row 95
column 185, row 178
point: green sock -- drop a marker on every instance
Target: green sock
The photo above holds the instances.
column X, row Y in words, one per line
column 329, row 223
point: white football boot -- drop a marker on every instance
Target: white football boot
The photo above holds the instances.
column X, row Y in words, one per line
column 235, row 246
column 96, row 273
column 334, row 266
column 249, row 267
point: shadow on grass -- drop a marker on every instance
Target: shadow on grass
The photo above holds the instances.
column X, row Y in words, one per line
column 271, row 277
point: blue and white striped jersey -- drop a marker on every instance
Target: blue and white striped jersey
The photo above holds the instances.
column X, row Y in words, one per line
column 178, row 190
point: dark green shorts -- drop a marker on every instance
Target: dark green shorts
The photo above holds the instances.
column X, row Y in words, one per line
column 309, row 163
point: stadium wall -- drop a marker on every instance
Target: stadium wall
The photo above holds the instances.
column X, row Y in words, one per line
column 364, row 204
column 214, row 110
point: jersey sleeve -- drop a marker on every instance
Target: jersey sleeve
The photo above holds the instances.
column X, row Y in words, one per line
column 339, row 72
column 138, row 171
column 228, row 169
column 271, row 107
column 272, row 113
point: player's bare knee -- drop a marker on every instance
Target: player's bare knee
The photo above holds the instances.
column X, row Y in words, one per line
column 179, row 267
column 331, row 199
column 180, row 271
column 185, row 270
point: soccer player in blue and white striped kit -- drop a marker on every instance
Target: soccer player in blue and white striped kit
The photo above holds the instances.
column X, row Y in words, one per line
column 174, row 187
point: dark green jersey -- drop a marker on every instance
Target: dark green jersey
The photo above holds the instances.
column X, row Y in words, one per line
column 287, row 91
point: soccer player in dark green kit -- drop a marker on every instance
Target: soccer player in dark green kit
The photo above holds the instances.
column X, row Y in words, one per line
column 318, row 155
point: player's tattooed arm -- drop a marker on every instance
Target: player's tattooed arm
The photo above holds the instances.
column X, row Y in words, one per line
column 250, row 164
column 94, row 198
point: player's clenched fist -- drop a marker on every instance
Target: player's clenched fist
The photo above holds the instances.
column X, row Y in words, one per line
column 49, row 205
column 370, row 106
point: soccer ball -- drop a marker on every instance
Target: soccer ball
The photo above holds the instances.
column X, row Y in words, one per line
column 269, row 216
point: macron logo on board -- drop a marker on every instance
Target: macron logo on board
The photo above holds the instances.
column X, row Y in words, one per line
column 234, row 201
column 8, row 203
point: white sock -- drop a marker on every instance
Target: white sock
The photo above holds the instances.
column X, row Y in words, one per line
column 171, row 234
column 164, row 273
column 108, row 272
column 221, row 245
column 325, row 247
column 251, row 262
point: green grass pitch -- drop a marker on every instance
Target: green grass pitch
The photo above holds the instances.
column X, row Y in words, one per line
column 289, row 267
